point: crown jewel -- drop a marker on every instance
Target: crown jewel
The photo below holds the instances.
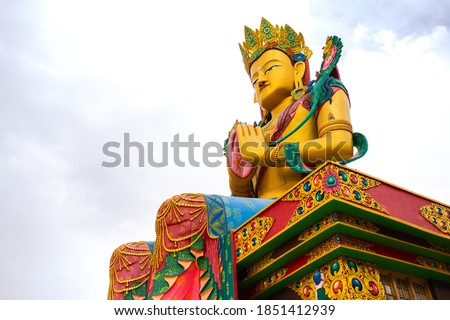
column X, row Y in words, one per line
column 273, row 37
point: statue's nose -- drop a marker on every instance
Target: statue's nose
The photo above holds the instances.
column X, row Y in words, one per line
column 262, row 83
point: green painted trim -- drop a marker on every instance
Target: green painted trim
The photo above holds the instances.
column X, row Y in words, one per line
column 395, row 243
column 337, row 205
column 402, row 267
column 288, row 233
column 387, row 263
column 343, row 229
column 282, row 260
column 313, row 265
column 388, row 221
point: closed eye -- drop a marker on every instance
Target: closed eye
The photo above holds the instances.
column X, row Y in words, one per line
column 254, row 82
column 274, row 66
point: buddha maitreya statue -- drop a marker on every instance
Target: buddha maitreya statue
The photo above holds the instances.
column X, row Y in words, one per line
column 304, row 123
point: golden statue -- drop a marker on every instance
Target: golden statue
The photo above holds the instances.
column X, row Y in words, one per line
column 304, row 123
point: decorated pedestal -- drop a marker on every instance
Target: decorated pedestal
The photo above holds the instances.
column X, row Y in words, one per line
column 341, row 234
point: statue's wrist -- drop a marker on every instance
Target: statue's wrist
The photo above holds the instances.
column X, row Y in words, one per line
column 237, row 181
column 268, row 155
column 274, row 157
column 240, row 187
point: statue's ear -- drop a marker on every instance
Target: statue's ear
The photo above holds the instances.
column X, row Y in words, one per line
column 299, row 68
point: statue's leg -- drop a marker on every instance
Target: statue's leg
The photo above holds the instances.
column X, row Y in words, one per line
column 191, row 257
column 185, row 259
column 181, row 264
column 129, row 271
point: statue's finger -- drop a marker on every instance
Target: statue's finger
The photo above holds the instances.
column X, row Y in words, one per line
column 259, row 132
column 240, row 132
column 251, row 130
column 246, row 131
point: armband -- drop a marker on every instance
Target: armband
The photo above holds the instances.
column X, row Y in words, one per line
column 335, row 125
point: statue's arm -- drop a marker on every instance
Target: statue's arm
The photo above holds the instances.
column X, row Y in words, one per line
column 334, row 142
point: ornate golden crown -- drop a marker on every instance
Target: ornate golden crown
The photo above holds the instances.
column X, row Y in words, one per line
column 270, row 37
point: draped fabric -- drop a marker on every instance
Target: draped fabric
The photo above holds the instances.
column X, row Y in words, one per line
column 192, row 256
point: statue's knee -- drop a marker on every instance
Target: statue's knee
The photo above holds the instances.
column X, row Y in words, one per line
column 181, row 217
column 182, row 202
column 130, row 264
column 143, row 248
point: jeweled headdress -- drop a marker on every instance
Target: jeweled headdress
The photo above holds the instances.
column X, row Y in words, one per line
column 273, row 37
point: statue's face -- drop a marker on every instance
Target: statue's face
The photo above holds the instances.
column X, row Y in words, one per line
column 272, row 76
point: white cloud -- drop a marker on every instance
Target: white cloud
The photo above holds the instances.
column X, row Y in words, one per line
column 401, row 104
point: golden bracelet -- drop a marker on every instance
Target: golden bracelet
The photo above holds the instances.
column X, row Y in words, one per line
column 267, row 161
column 275, row 155
column 271, row 156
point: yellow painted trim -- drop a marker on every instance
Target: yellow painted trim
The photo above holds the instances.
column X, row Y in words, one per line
column 447, row 237
column 352, row 249
column 333, row 198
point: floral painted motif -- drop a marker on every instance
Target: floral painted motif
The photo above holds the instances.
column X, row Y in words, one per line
column 331, row 54
column 333, row 219
column 329, row 58
column 332, row 182
column 434, row 264
column 438, row 215
column 259, row 265
column 271, row 280
column 251, row 236
column 343, row 278
column 337, row 241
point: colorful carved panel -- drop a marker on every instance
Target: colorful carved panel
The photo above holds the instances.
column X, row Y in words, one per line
column 251, row 236
column 271, row 280
column 259, row 265
column 437, row 215
column 434, row 264
column 311, row 232
column 342, row 279
column 336, row 241
column 332, row 181
column 336, row 218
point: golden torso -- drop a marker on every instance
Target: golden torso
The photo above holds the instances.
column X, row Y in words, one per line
column 277, row 180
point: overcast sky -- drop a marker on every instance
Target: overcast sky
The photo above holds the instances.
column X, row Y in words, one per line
column 75, row 75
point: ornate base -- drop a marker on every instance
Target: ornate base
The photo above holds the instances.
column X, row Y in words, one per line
column 348, row 227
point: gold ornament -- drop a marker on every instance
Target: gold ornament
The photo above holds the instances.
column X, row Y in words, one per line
column 252, row 236
column 259, row 265
column 299, row 92
column 273, row 37
column 438, row 215
column 344, row 278
column 269, row 281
